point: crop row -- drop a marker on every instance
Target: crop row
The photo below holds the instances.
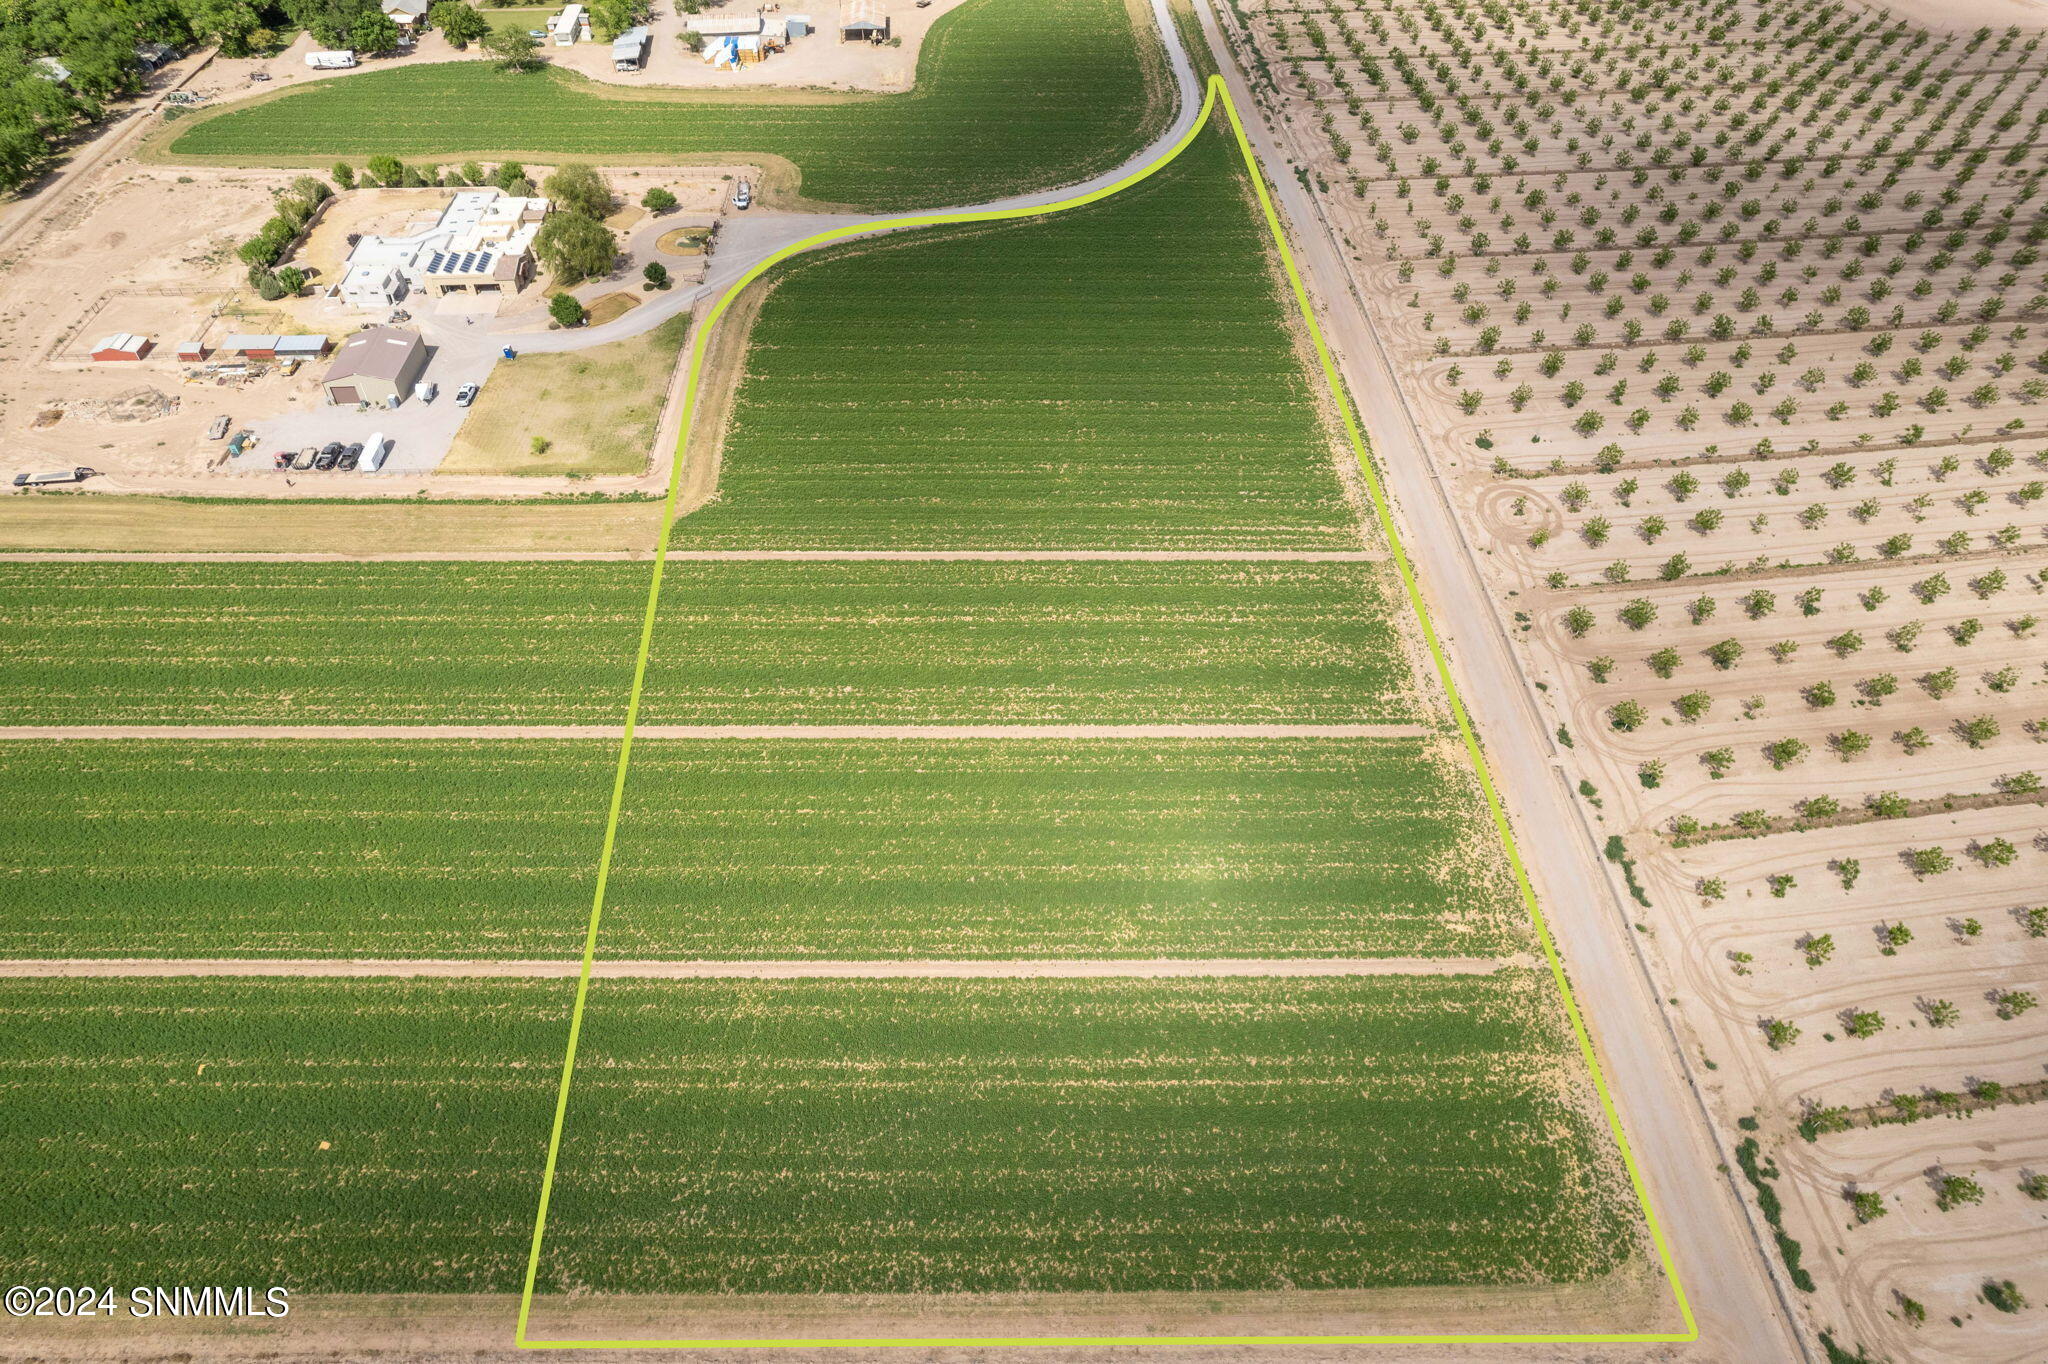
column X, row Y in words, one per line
column 757, row 642
column 747, row 1136
column 1010, row 97
column 730, row 849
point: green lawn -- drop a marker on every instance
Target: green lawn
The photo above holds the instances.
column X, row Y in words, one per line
column 384, row 1136
column 1012, row 95
column 745, row 849
column 740, row 642
column 1120, row 376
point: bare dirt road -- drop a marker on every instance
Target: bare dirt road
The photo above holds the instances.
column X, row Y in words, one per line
column 715, row 732
column 1151, row 969
column 1726, row 1277
column 1050, row 556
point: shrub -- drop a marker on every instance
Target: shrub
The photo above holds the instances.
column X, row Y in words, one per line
column 566, row 310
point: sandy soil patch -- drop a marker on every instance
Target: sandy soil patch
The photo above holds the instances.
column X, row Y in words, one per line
column 478, row 1328
column 143, row 251
column 1968, row 14
column 348, row 529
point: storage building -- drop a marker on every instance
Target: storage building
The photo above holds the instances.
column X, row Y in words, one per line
column 121, row 346
column 376, row 365
column 570, row 27
column 191, row 350
column 265, row 346
column 861, row 21
column 629, row 50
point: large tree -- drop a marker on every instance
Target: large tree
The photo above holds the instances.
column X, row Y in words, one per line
column 575, row 248
column 459, row 24
column 579, row 189
column 514, row 48
column 374, row 31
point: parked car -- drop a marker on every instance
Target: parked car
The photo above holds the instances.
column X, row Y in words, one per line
column 350, row 456
column 328, row 457
column 743, row 195
column 465, row 395
column 430, row 392
column 306, row 458
column 374, row 450
column 259, row 75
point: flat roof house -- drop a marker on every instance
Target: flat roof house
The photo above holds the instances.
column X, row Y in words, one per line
column 376, row 365
column 482, row 243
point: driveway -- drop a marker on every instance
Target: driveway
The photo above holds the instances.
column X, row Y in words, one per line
column 460, row 350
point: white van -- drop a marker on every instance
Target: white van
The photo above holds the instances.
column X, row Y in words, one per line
column 374, row 450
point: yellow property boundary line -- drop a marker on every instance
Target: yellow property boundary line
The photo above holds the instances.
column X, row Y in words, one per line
column 1216, row 93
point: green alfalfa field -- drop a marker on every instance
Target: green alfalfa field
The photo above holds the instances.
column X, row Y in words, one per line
column 801, row 1136
column 740, row 642
column 741, row 849
column 1011, row 96
column 1119, row 376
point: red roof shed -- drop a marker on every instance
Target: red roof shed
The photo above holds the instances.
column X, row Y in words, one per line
column 121, row 346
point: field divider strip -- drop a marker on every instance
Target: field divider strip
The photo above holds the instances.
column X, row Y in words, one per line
column 415, row 733
column 712, row 556
column 993, row 969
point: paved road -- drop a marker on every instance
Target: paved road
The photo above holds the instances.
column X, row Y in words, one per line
column 1719, row 1260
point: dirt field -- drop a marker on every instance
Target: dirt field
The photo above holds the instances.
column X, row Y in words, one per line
column 1743, row 418
column 478, row 1330
column 167, row 525
column 140, row 250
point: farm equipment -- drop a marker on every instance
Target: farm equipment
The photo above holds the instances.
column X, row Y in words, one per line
column 219, row 427
column 77, row 475
column 244, row 440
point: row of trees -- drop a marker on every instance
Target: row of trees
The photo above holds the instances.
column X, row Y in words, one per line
column 95, row 42
column 1780, row 1033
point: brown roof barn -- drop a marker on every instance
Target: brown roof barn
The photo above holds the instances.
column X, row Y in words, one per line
column 376, row 365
